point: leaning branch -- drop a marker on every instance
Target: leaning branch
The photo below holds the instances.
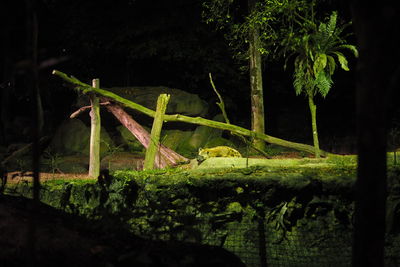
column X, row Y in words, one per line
column 85, row 88
column 221, row 103
column 83, row 109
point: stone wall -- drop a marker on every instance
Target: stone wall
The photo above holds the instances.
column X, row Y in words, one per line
column 282, row 218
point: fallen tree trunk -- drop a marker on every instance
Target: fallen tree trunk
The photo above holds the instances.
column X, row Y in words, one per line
column 166, row 157
column 85, row 88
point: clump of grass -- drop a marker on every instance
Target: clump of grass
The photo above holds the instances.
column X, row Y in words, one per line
column 52, row 160
column 393, row 142
column 342, row 160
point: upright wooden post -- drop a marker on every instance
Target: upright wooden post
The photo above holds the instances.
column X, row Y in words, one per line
column 94, row 162
column 151, row 151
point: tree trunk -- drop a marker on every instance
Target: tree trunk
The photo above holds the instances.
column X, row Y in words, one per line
column 256, row 85
column 313, row 111
column 375, row 25
column 154, row 145
column 95, row 128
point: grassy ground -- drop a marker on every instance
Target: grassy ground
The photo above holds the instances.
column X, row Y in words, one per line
column 278, row 163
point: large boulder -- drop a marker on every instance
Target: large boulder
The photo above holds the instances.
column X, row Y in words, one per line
column 203, row 134
column 127, row 140
column 73, row 137
column 174, row 138
column 180, row 102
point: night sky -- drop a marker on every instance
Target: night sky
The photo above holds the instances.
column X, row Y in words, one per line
column 152, row 43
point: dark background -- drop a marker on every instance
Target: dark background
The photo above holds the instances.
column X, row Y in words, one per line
column 156, row 42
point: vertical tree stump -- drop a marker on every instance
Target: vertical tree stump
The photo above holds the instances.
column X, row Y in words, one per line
column 149, row 160
column 94, row 162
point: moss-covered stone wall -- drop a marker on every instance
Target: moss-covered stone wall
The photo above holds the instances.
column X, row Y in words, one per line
column 290, row 217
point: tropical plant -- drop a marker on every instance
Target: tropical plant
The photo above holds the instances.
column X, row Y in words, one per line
column 317, row 53
column 52, row 160
column 255, row 34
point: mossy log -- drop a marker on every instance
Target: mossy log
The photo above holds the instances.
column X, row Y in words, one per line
column 86, row 88
column 150, row 157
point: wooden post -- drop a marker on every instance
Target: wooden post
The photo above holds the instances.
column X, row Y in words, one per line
column 162, row 102
column 94, row 162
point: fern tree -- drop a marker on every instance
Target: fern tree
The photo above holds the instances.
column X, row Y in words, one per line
column 317, row 53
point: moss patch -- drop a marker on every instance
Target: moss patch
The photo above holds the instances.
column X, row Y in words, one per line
column 290, row 208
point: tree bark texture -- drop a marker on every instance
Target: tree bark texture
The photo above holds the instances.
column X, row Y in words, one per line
column 94, row 159
column 85, row 88
column 376, row 24
column 153, row 147
column 313, row 111
column 256, row 85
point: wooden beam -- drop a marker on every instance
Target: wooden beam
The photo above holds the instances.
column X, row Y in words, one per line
column 94, row 161
column 153, row 148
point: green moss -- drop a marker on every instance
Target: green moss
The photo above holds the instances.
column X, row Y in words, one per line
column 296, row 205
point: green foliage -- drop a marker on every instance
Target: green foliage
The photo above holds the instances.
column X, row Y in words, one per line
column 316, row 50
column 394, row 142
column 276, row 21
column 52, row 160
column 311, row 210
column 342, row 161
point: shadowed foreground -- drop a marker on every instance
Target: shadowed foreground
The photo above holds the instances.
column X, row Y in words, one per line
column 68, row 240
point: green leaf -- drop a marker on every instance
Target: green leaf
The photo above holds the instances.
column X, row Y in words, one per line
column 310, row 53
column 331, row 64
column 332, row 23
column 319, row 63
column 298, row 80
column 342, row 60
column 352, row 48
column 323, row 82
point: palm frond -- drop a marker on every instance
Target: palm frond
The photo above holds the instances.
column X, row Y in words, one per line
column 323, row 83
column 326, row 32
column 331, row 65
column 331, row 26
column 299, row 76
column 319, row 63
column 317, row 52
column 352, row 48
column 342, row 60
column 298, row 82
